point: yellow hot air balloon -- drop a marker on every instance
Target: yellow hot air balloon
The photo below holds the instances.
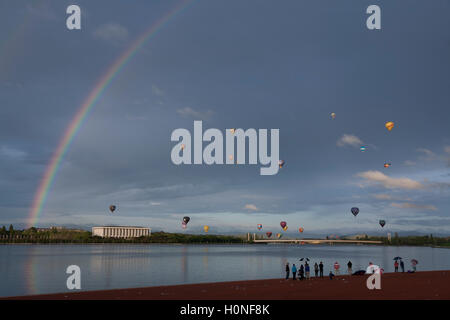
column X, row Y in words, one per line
column 389, row 125
column 285, row 228
column 183, row 146
column 206, row 228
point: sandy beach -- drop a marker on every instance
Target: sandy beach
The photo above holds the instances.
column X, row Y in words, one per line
column 403, row 286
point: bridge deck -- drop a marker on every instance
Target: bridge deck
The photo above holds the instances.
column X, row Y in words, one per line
column 317, row 241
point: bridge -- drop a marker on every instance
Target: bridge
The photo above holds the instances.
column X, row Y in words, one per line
column 312, row 241
column 318, row 241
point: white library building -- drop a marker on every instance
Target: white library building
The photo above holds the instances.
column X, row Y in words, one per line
column 120, row 232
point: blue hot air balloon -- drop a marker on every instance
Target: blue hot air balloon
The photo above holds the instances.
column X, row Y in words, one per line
column 355, row 211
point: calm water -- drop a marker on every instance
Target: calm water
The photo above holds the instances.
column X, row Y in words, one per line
column 36, row 269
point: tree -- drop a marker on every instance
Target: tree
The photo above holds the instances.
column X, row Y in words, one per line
column 3, row 230
column 11, row 229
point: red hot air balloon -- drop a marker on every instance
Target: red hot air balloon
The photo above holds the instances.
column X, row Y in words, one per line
column 268, row 234
column 259, row 226
column 283, row 224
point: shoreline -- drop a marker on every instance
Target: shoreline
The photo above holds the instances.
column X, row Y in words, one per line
column 213, row 243
column 421, row 285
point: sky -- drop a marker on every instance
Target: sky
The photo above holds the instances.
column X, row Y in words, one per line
column 231, row 64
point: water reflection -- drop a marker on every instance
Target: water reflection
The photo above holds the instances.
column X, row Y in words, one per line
column 34, row 269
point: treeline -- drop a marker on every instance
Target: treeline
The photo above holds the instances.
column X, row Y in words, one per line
column 62, row 235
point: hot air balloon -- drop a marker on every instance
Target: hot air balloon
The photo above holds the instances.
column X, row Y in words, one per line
column 333, row 115
column 268, row 234
column 362, row 148
column 186, row 219
column 389, row 125
column 355, row 211
column 112, row 208
column 206, row 228
column 279, row 235
column 233, row 130
column 183, row 146
column 259, row 226
column 280, row 163
column 387, row 164
column 382, row 223
column 300, row 229
column 283, row 224
column 285, row 228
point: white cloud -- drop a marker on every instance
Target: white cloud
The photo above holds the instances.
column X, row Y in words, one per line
column 189, row 112
column 11, row 153
column 409, row 163
column 351, row 140
column 388, row 182
column 157, row 91
column 409, row 205
column 250, row 207
column 112, row 33
column 382, row 196
column 429, row 154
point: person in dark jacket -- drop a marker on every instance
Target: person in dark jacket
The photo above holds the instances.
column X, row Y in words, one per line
column 316, row 269
column 349, row 268
column 402, row 265
column 321, row 269
column 287, row 270
column 301, row 272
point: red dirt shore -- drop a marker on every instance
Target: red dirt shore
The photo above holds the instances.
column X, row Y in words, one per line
column 420, row 285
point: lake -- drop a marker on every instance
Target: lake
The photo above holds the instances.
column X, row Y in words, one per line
column 37, row 269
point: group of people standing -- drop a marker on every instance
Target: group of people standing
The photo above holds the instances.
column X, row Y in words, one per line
column 304, row 271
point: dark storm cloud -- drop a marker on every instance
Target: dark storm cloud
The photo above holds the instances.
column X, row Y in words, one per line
column 288, row 67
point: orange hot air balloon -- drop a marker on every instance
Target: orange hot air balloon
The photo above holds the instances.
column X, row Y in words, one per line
column 183, row 146
column 300, row 229
column 389, row 125
column 206, row 228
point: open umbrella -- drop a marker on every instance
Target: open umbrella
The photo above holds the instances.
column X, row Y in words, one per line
column 359, row 273
column 307, row 259
column 414, row 261
column 398, row 258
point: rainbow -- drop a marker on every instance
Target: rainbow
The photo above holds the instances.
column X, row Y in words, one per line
column 83, row 111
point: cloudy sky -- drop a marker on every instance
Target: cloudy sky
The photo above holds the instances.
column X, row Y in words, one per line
column 232, row 64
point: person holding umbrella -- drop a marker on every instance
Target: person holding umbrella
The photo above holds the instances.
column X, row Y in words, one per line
column 301, row 272
column 396, row 263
